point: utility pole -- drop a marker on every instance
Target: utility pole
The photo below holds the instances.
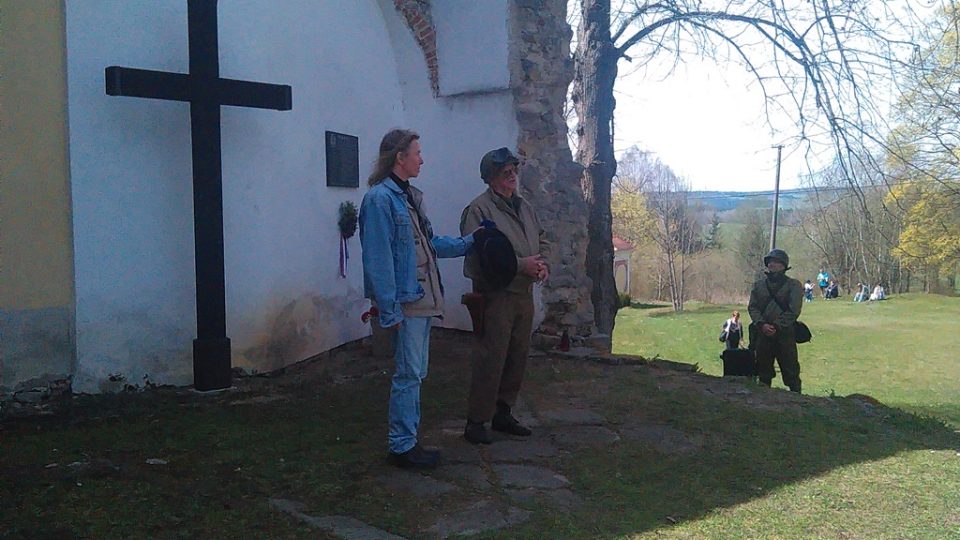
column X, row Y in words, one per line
column 776, row 200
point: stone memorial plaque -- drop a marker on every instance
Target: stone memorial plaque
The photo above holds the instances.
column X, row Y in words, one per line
column 343, row 160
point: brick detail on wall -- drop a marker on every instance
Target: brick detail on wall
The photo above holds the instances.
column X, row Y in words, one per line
column 420, row 23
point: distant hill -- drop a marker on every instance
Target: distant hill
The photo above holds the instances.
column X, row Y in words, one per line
column 723, row 201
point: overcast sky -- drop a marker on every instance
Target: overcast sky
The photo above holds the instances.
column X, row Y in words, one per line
column 706, row 123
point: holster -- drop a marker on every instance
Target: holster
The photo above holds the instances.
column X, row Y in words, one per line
column 476, row 304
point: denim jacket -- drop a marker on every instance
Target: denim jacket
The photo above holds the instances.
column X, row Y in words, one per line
column 389, row 258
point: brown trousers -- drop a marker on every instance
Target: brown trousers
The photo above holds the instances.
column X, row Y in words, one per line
column 502, row 356
column 781, row 347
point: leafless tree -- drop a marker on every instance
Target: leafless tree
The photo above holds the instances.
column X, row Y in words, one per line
column 856, row 245
column 815, row 61
column 675, row 229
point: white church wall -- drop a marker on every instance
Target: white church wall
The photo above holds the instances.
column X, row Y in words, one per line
column 130, row 175
column 473, row 40
column 354, row 68
column 286, row 301
column 132, row 192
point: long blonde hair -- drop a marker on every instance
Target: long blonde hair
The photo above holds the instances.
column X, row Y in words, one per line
column 396, row 141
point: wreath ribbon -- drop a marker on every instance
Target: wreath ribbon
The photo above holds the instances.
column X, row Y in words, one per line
column 344, row 256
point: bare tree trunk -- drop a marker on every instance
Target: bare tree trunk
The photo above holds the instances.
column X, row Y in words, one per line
column 596, row 72
column 659, row 279
column 674, row 285
column 683, row 272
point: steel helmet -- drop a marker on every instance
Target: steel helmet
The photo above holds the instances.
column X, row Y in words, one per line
column 777, row 254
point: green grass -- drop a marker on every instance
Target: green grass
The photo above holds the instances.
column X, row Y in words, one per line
column 902, row 351
column 768, row 464
column 820, row 470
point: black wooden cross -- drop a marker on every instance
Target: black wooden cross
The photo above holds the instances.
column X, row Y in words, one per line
column 206, row 92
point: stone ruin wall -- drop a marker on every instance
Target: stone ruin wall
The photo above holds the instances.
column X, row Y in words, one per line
column 541, row 70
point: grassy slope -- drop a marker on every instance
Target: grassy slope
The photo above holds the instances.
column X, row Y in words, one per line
column 902, row 351
column 827, row 468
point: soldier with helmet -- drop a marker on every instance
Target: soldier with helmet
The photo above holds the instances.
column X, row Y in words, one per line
column 775, row 304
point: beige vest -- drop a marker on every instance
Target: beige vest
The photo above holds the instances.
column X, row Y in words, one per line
column 428, row 275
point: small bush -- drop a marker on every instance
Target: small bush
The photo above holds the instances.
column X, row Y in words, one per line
column 624, row 300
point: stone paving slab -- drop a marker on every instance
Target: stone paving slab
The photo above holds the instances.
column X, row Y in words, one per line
column 474, row 475
column 477, row 518
column 452, row 428
column 563, row 499
column 344, row 527
column 460, row 452
column 582, row 436
column 526, row 450
column 528, row 476
column 410, row 483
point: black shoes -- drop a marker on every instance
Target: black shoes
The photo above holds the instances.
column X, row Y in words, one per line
column 476, row 433
column 416, row 457
column 505, row 422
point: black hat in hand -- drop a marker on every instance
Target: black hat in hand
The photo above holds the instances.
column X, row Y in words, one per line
column 498, row 260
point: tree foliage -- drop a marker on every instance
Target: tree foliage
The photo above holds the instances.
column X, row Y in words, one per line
column 632, row 220
column 923, row 157
column 930, row 234
column 713, row 238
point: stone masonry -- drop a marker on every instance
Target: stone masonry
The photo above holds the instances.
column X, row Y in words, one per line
column 541, row 69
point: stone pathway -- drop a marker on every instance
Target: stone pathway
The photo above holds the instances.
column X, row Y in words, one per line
column 490, row 487
column 344, row 527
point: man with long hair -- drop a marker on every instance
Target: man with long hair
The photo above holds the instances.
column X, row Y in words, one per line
column 401, row 277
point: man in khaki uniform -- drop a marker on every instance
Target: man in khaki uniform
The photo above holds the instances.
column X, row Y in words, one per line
column 508, row 312
column 775, row 304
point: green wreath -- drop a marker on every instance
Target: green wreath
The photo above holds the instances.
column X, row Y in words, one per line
column 347, row 220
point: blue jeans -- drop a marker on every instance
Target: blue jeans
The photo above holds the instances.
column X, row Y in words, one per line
column 411, row 354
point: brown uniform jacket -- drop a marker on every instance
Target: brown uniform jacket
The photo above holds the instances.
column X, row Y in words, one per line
column 521, row 227
column 790, row 294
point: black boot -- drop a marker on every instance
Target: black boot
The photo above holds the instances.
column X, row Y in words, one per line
column 476, row 433
column 416, row 457
column 505, row 422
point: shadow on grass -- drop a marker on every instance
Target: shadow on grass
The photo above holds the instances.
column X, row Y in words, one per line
column 742, row 451
column 699, row 308
column 316, row 435
column 642, row 305
column 949, row 412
